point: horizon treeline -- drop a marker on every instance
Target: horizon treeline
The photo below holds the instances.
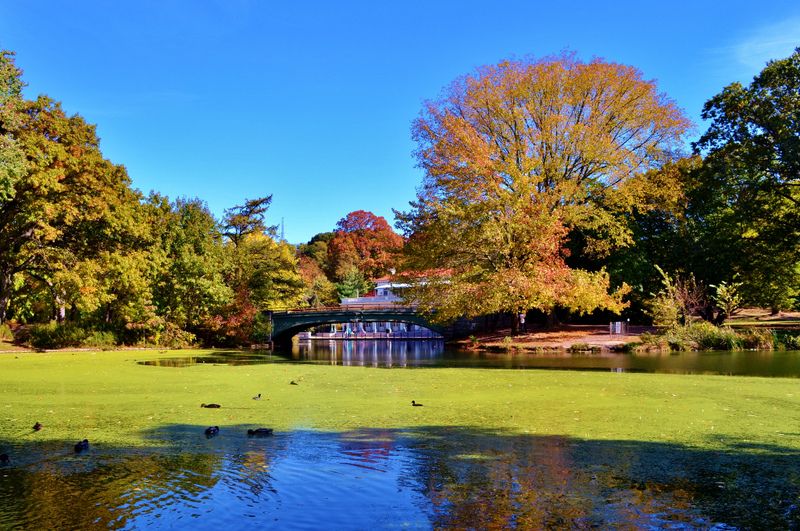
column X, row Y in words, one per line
column 551, row 185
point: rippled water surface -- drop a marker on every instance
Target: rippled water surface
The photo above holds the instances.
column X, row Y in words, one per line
column 427, row 478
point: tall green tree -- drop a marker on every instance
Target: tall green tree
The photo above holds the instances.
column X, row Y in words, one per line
column 67, row 203
column 12, row 157
column 241, row 220
column 261, row 273
column 191, row 287
column 748, row 196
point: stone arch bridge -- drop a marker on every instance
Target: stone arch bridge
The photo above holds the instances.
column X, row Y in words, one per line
column 287, row 323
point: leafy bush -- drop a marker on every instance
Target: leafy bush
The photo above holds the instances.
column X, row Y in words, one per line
column 786, row 339
column 727, row 298
column 664, row 310
column 55, row 335
column 175, row 337
column 793, row 343
column 757, row 339
column 100, row 339
column 679, row 300
column 580, row 347
column 5, row 332
column 702, row 335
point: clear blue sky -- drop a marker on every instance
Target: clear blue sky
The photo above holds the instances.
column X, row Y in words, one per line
column 313, row 101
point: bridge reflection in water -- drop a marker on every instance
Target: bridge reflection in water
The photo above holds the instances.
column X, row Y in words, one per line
column 371, row 353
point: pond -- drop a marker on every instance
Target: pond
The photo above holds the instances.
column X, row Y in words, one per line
column 490, row 449
column 388, row 479
column 432, row 353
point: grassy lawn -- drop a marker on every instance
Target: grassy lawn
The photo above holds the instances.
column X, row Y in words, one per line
column 108, row 398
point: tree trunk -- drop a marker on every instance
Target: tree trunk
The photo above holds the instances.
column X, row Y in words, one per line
column 5, row 295
column 552, row 318
column 60, row 310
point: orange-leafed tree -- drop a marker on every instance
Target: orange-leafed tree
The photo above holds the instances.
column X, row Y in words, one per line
column 518, row 156
column 365, row 242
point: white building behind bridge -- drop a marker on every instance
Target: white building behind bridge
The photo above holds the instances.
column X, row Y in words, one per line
column 386, row 293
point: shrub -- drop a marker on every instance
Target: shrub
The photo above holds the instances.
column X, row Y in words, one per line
column 679, row 300
column 710, row 337
column 726, row 297
column 678, row 338
column 786, row 339
column 664, row 310
column 757, row 339
column 5, row 332
column 55, row 335
column 580, row 347
column 175, row 337
column 702, row 335
column 100, row 339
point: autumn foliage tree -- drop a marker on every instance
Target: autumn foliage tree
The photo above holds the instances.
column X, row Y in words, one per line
column 365, row 242
column 519, row 155
column 61, row 202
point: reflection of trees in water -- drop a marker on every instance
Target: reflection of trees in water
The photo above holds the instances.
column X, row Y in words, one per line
column 222, row 358
column 370, row 449
column 83, row 492
column 458, row 477
column 487, row 482
column 483, row 480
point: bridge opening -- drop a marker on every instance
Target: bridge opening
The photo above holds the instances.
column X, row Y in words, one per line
column 364, row 329
column 392, row 323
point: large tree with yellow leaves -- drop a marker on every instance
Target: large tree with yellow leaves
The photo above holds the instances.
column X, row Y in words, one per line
column 518, row 156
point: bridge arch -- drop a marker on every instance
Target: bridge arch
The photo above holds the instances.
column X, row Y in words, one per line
column 286, row 324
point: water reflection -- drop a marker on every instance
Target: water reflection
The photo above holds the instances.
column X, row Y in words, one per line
column 233, row 357
column 436, row 477
column 434, row 353
column 371, row 353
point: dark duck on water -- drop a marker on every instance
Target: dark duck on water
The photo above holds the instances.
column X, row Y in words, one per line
column 260, row 432
column 82, row 446
column 211, row 406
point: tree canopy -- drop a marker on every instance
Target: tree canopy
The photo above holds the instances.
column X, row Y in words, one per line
column 516, row 156
column 747, row 198
column 365, row 242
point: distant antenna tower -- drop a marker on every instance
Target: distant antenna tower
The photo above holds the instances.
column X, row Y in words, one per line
column 282, row 238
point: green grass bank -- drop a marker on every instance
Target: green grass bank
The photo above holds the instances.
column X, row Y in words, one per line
column 108, row 398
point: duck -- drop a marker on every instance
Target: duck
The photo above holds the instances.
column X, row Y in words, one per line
column 4, row 459
column 38, row 426
column 416, row 404
column 260, row 432
column 212, row 431
column 212, row 406
column 82, row 446
column 293, row 383
column 257, row 397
